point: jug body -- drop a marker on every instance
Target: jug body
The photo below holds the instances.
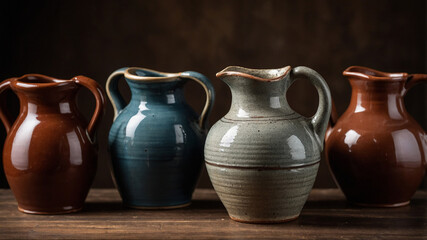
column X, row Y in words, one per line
column 262, row 157
column 156, row 141
column 49, row 155
column 376, row 150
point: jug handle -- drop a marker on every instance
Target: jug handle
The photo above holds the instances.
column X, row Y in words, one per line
column 4, row 116
column 413, row 79
column 99, row 95
column 210, row 94
column 319, row 120
column 113, row 93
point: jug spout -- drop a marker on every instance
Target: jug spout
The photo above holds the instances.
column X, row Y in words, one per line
column 358, row 72
column 263, row 75
column 257, row 93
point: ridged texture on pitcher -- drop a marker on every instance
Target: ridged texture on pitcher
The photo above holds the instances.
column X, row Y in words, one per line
column 156, row 141
column 272, row 193
column 262, row 157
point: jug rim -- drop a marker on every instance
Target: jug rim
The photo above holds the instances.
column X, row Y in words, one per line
column 37, row 81
column 157, row 76
column 372, row 74
column 264, row 75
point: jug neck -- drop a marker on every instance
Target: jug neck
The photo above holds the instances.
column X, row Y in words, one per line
column 257, row 93
column 161, row 92
column 152, row 86
column 374, row 91
column 40, row 94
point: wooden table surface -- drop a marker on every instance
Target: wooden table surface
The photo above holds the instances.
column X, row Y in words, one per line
column 326, row 215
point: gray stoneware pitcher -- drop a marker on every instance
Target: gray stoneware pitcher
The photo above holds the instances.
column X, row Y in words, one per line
column 262, row 157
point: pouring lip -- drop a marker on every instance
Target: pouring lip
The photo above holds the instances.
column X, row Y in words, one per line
column 372, row 74
column 37, row 81
column 157, row 76
column 276, row 73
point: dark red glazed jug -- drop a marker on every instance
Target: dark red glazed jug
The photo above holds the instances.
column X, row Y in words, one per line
column 376, row 150
column 49, row 155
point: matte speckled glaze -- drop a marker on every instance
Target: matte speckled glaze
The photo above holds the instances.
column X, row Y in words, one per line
column 156, row 141
column 49, row 155
column 262, row 157
column 376, row 150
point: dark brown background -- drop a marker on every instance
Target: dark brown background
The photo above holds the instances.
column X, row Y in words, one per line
column 94, row 38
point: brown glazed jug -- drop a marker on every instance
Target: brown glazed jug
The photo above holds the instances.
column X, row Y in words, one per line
column 49, row 155
column 376, row 150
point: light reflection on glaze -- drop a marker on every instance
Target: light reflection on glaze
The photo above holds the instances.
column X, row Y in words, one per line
column 64, row 107
column 75, row 148
column 404, row 140
column 135, row 120
column 351, row 138
column 394, row 111
column 22, row 140
column 359, row 107
column 170, row 98
column 296, row 148
column 275, row 102
column 80, row 133
column 229, row 136
column 242, row 113
column 179, row 133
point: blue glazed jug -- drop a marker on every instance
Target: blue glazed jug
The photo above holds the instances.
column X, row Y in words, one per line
column 156, row 142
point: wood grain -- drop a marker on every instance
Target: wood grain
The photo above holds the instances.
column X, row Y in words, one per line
column 326, row 215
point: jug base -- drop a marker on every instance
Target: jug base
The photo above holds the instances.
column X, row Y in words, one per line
column 49, row 212
column 265, row 221
column 379, row 205
column 159, row 207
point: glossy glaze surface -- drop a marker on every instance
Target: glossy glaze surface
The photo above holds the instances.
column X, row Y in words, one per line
column 49, row 155
column 156, row 141
column 376, row 151
column 262, row 157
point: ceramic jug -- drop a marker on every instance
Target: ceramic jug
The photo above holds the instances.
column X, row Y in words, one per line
column 49, row 155
column 262, row 157
column 376, row 150
column 156, row 141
